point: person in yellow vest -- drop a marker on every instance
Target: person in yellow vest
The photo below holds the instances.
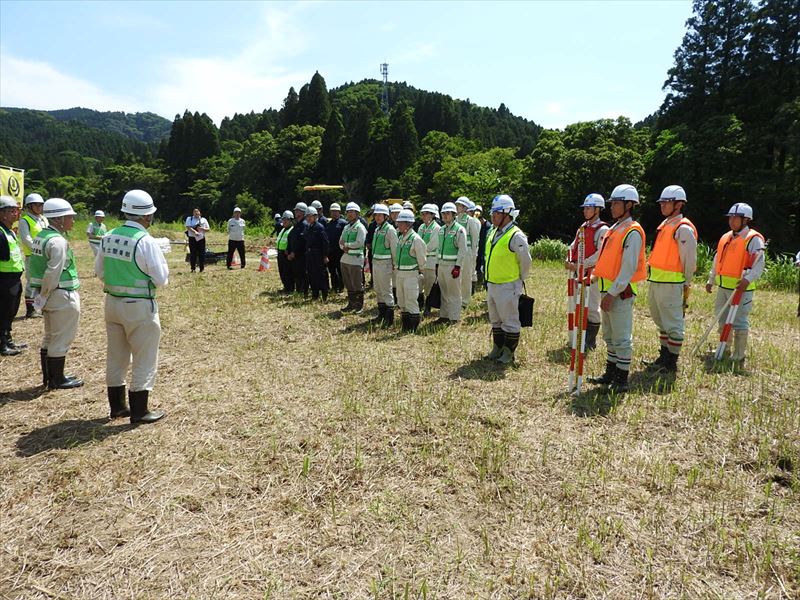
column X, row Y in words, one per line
column 409, row 263
column 131, row 266
column 282, row 242
column 11, row 267
column 429, row 232
column 55, row 275
column 472, row 228
column 670, row 270
column 31, row 223
column 738, row 263
column 620, row 268
column 351, row 242
column 508, row 262
column 384, row 249
column 96, row 230
column 450, row 259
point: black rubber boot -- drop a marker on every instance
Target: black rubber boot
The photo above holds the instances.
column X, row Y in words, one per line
column 116, row 402
column 591, row 335
column 427, row 311
column 509, row 348
column 498, row 341
column 381, row 314
column 30, row 312
column 139, row 412
column 414, row 322
column 43, row 359
column 5, row 349
column 607, row 377
column 421, row 300
column 660, row 362
column 55, row 375
column 358, row 303
column 11, row 344
column 405, row 326
column 388, row 317
column 324, row 295
column 350, row 302
column 670, row 363
column 620, row 383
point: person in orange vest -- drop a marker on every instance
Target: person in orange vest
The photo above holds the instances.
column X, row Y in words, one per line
column 620, row 267
column 670, row 270
column 738, row 263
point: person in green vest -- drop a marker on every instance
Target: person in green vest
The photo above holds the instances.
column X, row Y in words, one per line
column 450, row 258
column 131, row 266
column 472, row 227
column 429, row 232
column 282, row 243
column 11, row 266
column 409, row 263
column 55, row 275
column 351, row 242
column 384, row 249
column 508, row 262
column 96, row 230
column 31, row 223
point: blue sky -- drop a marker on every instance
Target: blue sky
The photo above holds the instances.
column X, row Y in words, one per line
column 553, row 62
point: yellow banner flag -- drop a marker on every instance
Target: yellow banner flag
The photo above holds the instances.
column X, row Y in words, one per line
column 12, row 183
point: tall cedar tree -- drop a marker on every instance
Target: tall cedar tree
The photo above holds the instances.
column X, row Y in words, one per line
column 330, row 156
column 314, row 105
column 403, row 140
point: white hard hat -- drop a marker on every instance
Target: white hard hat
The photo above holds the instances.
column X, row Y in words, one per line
column 430, row 208
column 478, row 208
column 353, row 206
column 405, row 216
column 380, row 209
column 471, row 206
column 740, row 209
column 287, row 214
column 33, row 198
column 57, row 207
column 138, row 202
column 672, row 192
column 626, row 193
column 593, row 200
column 8, row 202
column 237, row 209
column 311, row 210
column 301, row 206
column 448, row 207
column 335, row 206
column 463, row 201
column 277, row 215
column 503, row 204
column 407, row 205
column 316, row 204
column 395, row 207
column 99, row 213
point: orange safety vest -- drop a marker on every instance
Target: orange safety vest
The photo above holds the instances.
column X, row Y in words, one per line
column 665, row 261
column 588, row 240
column 610, row 260
column 733, row 258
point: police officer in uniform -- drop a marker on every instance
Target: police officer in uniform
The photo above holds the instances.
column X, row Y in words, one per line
column 620, row 267
column 334, row 230
column 384, row 249
column 429, row 232
column 31, row 223
column 297, row 249
column 11, row 267
column 472, row 227
column 409, row 263
column 450, row 258
column 351, row 243
column 284, row 265
column 132, row 266
column 670, row 270
column 317, row 249
column 55, row 275
column 508, row 261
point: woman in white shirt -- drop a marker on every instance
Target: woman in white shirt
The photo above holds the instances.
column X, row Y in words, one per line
column 196, row 228
column 235, row 237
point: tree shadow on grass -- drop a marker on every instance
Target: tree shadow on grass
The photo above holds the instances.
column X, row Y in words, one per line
column 24, row 394
column 481, row 368
column 68, row 434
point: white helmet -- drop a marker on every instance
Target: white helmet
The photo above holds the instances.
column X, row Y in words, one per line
column 312, row 210
column 352, row 206
column 504, row 204
column 99, row 213
column 287, row 214
column 626, row 193
column 740, row 209
column 335, row 206
column 316, row 204
column 449, row 207
column 407, row 205
column 302, row 206
column 8, row 202
column 33, row 199
column 463, row 201
column 138, row 202
column 593, row 200
column 405, row 216
column 380, row 209
column 430, row 208
column 57, row 207
column 237, row 209
column 395, row 207
column 672, row 192
column 478, row 209
column 471, row 206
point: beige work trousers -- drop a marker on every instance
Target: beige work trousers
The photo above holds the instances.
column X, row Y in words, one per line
column 408, row 291
column 467, row 271
column 741, row 321
column 133, row 330
column 382, row 280
column 352, row 277
column 428, row 279
column 618, row 332
column 503, row 300
column 451, row 292
column 666, row 310
column 61, row 315
column 29, row 291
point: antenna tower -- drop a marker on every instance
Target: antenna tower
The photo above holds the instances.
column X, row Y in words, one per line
column 385, row 92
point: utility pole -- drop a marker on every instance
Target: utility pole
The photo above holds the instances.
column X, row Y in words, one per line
column 385, row 92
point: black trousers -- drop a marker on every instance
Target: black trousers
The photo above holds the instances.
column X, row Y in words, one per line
column 239, row 247
column 299, row 272
column 285, row 271
column 335, row 271
column 10, row 295
column 197, row 253
column 317, row 274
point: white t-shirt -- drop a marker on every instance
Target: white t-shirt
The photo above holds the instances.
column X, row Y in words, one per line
column 236, row 229
column 196, row 222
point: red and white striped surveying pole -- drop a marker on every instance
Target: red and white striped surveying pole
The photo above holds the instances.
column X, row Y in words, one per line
column 725, row 334
column 580, row 319
column 571, row 300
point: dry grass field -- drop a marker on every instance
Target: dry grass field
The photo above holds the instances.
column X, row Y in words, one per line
column 308, row 456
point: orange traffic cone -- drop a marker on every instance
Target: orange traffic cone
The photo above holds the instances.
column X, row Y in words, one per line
column 235, row 262
column 264, row 264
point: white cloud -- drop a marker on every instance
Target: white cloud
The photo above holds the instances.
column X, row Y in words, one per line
column 422, row 51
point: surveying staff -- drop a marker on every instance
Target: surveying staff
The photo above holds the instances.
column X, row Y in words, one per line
column 96, row 230
column 670, row 270
column 11, row 266
column 284, row 265
column 384, row 249
column 196, row 228
column 429, row 232
column 132, row 266
column 473, row 231
column 317, row 249
column 738, row 263
column 55, row 275
column 451, row 255
column 351, row 243
column 31, row 223
column 297, row 249
column 594, row 230
column 409, row 263
column 620, row 266
column 508, row 262
column 236, row 225
column 334, row 230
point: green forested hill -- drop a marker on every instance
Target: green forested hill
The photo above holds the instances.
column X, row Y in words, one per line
column 146, row 127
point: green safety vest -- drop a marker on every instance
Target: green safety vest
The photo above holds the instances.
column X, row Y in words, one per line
column 502, row 265
column 463, row 220
column 425, row 232
column 35, row 229
column 350, row 235
column 123, row 277
column 98, row 230
column 447, row 242
column 15, row 262
column 69, row 276
column 380, row 249
column 283, row 238
column 406, row 262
